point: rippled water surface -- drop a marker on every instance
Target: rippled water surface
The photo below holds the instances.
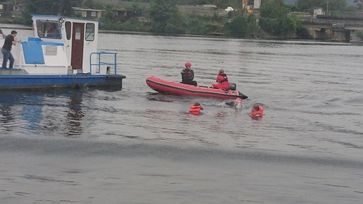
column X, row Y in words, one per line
column 312, row 93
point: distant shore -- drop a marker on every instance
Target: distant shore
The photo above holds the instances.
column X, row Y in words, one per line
column 17, row 26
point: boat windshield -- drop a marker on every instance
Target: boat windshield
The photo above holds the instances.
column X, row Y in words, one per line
column 48, row 29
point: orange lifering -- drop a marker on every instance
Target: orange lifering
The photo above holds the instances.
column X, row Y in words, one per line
column 257, row 112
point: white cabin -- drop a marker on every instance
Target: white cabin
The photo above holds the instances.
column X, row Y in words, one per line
column 60, row 45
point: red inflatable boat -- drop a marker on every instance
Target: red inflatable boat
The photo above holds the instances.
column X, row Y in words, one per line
column 176, row 88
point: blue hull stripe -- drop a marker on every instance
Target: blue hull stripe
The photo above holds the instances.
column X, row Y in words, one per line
column 48, row 81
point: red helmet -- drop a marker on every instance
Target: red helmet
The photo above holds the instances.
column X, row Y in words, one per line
column 188, row 64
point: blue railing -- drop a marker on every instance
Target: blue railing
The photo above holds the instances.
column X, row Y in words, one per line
column 99, row 64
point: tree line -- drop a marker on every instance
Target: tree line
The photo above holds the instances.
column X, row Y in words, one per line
column 164, row 17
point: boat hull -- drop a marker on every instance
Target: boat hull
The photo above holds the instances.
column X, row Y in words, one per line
column 59, row 81
column 176, row 88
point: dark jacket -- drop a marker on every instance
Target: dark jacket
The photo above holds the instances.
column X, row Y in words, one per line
column 187, row 75
column 9, row 39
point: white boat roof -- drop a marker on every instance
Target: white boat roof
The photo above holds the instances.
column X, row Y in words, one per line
column 57, row 18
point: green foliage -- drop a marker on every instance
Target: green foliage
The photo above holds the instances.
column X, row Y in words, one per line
column 175, row 24
column 331, row 5
column 242, row 26
column 61, row 7
column 238, row 26
column 275, row 21
column 128, row 25
column 360, row 34
column 301, row 31
column 108, row 22
column 165, row 17
column 272, row 9
column 218, row 3
column 359, row 3
column 282, row 26
column 198, row 25
column 252, row 27
column 91, row 4
column 193, row 2
column 226, row 3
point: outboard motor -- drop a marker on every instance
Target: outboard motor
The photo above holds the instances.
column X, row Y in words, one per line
column 232, row 86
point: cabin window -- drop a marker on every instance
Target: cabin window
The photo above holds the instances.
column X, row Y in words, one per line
column 68, row 30
column 77, row 35
column 48, row 29
column 90, row 31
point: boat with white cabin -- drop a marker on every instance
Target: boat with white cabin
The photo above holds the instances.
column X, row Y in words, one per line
column 61, row 53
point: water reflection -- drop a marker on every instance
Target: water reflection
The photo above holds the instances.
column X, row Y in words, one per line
column 42, row 112
column 6, row 117
column 8, row 111
column 32, row 112
column 75, row 114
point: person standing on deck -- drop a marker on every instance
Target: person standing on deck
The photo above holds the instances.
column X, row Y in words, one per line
column 6, row 50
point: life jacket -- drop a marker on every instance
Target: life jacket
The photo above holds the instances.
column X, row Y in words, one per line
column 221, row 78
column 224, row 85
column 257, row 112
column 195, row 109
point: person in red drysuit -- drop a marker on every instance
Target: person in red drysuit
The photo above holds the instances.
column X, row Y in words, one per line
column 195, row 109
column 222, row 81
column 257, row 112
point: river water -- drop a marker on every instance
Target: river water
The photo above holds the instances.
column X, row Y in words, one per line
column 136, row 146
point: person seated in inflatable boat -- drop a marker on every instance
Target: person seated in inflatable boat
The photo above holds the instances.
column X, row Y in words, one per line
column 188, row 74
column 222, row 81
